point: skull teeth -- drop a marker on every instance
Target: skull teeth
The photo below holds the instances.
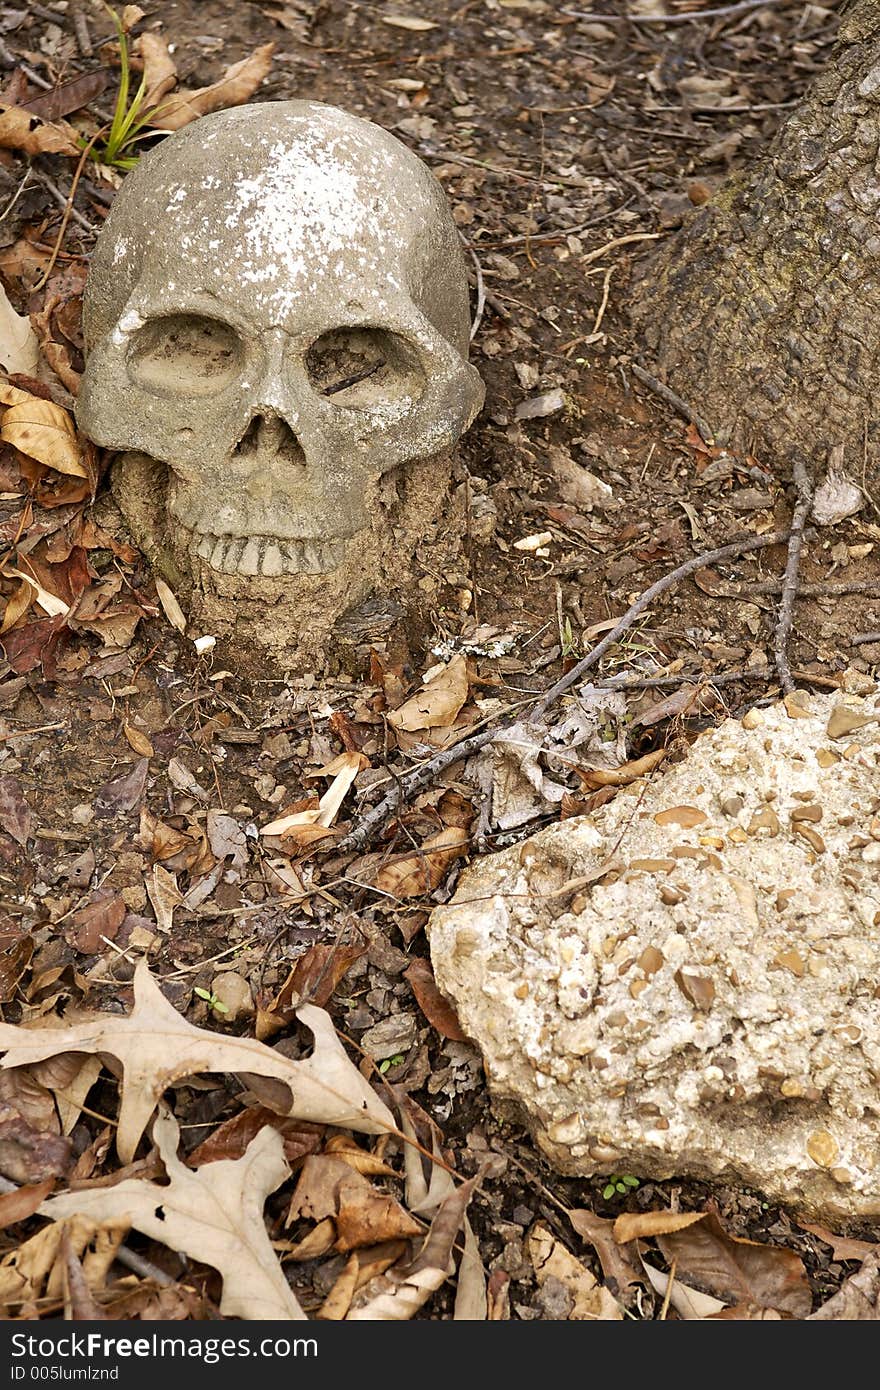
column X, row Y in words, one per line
column 265, row 555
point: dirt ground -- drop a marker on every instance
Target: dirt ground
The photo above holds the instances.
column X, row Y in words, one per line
column 554, row 137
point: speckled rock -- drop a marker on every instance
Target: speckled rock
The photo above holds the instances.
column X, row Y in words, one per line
column 277, row 324
column 686, row 983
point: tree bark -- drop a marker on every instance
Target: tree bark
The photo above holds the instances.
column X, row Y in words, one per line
column 763, row 313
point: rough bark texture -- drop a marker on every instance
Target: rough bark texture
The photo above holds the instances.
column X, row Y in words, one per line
column 764, row 312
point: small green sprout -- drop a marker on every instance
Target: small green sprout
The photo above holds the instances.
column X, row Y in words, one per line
column 569, row 642
column 390, row 1062
column 216, row 1005
column 618, row 1185
column 129, row 123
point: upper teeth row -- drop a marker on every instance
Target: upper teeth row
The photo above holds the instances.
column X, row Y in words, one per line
column 265, row 555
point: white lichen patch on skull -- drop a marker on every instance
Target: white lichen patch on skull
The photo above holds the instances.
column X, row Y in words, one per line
column 734, row 994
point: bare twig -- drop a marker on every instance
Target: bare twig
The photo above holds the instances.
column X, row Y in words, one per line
column 412, row 782
column 81, row 30
column 804, row 486
column 619, row 241
column 62, row 199
column 424, row 774
column 677, row 403
column 711, row 557
column 68, row 211
column 481, row 289
column 691, row 16
column 860, row 639
column 16, row 195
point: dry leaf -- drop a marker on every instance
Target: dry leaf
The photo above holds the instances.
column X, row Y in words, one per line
column 164, row 894
column 618, row 1264
column 857, row 1300
column 50, row 603
column 21, row 130
column 22, row 1202
column 35, row 1269
column 160, row 70
column 19, row 347
column 738, row 1271
column 437, row 703
column 346, row 768
column 690, row 1304
column 399, row 1293
column 632, row 1225
column 361, row 1213
column 15, row 814
column 237, row 85
column 138, row 741
column 42, row 430
column 590, row 1301
column 170, row 607
column 408, row 21
column 842, row 1247
column 623, row 775
column 156, row 1046
column 423, row 872
column 214, row 1214
column 434, row 1005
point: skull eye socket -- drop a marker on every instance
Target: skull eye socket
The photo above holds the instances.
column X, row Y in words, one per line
column 185, row 355
column 364, row 367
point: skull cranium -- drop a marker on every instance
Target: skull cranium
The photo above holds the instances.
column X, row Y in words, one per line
column 276, row 317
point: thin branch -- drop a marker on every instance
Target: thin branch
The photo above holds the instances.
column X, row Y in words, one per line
column 706, row 431
column 697, row 562
column 481, row 289
column 804, row 486
column 424, row 774
column 724, row 12
column 62, row 198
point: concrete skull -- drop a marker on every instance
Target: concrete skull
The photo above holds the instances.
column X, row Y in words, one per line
column 276, row 317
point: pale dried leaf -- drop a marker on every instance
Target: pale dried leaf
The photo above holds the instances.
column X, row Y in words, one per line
column 156, row 1046
column 412, row 22
column 633, row 1225
column 164, row 894
column 42, row 430
column 21, row 130
column 214, row 1215
column 398, row 1294
column 437, row 703
column 324, row 814
column 590, row 1300
column 19, row 345
column 237, row 85
column 690, row 1304
column 50, row 603
column 160, row 70
column 170, row 607
column 857, row 1299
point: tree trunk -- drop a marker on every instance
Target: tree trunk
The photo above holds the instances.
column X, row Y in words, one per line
column 764, row 312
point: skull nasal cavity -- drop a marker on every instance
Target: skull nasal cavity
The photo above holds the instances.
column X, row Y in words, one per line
column 268, row 436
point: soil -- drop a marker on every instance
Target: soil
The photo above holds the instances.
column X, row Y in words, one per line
column 554, row 137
